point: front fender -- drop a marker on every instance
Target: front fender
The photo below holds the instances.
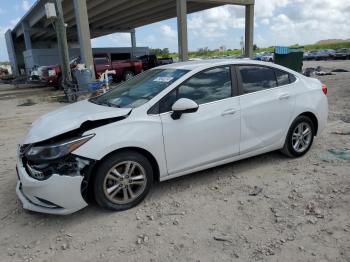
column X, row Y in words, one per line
column 143, row 134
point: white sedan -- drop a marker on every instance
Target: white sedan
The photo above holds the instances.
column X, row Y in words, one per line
column 164, row 123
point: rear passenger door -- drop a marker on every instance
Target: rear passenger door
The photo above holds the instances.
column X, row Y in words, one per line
column 267, row 105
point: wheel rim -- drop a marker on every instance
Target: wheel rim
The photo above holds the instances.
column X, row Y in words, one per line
column 128, row 76
column 124, row 182
column 302, row 136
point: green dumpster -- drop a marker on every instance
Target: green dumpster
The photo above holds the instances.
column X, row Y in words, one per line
column 289, row 57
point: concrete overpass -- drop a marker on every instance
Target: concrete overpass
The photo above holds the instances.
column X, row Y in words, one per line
column 87, row 19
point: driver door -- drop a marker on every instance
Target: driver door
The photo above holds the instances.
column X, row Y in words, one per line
column 209, row 135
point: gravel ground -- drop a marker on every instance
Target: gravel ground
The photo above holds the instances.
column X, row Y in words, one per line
column 301, row 214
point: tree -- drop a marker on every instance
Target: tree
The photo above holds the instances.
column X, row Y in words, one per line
column 163, row 53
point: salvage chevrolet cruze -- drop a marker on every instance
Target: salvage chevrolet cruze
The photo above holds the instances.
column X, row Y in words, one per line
column 164, row 123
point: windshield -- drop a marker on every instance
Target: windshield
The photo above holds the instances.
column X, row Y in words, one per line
column 140, row 89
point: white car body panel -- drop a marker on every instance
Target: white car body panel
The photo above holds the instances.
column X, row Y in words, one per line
column 148, row 138
column 202, row 132
column 64, row 191
column 69, row 118
column 218, row 133
column 275, row 107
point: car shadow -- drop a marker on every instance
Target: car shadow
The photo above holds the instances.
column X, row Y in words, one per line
column 160, row 190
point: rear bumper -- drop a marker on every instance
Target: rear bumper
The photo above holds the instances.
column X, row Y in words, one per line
column 59, row 194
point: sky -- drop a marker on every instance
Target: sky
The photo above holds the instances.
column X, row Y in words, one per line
column 277, row 22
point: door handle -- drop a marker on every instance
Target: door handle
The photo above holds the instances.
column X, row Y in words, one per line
column 284, row 96
column 230, row 111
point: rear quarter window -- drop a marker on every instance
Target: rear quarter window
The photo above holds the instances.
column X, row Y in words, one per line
column 292, row 78
column 284, row 78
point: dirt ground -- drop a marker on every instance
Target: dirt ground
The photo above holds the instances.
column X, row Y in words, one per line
column 301, row 214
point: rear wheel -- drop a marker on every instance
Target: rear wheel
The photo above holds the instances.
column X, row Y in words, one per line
column 123, row 180
column 127, row 75
column 299, row 138
column 59, row 85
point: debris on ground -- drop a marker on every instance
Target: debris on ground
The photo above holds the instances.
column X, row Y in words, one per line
column 312, row 209
column 340, row 153
column 322, row 71
column 256, row 191
column 343, row 133
column 28, row 102
column 222, row 238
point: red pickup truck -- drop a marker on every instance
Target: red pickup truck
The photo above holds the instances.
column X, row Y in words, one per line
column 124, row 69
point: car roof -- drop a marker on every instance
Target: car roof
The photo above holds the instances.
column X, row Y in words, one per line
column 200, row 64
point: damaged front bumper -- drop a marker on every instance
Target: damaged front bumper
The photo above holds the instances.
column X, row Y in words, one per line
column 58, row 194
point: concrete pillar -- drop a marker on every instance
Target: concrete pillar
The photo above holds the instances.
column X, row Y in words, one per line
column 249, row 30
column 26, row 35
column 133, row 42
column 61, row 33
column 181, row 6
column 83, row 28
column 11, row 52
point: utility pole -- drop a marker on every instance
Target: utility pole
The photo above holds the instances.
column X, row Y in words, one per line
column 62, row 44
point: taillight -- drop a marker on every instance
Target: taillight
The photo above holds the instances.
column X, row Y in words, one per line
column 324, row 89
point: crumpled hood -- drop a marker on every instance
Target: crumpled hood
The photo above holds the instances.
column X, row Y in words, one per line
column 69, row 118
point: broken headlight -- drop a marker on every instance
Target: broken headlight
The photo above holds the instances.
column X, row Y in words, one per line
column 57, row 150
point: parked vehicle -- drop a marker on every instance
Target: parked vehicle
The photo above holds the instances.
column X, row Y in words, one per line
column 3, row 71
column 264, row 56
column 125, row 69
column 167, row 122
column 151, row 61
column 46, row 75
column 312, row 55
column 321, row 54
column 342, row 53
column 267, row 57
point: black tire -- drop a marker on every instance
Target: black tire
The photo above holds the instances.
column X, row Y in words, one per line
column 103, row 170
column 127, row 75
column 59, row 83
column 288, row 148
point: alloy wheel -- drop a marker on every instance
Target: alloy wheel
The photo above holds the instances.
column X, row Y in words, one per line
column 125, row 182
column 302, row 136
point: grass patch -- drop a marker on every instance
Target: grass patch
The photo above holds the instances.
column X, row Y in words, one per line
column 213, row 53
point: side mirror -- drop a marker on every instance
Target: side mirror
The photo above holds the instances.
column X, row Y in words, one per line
column 183, row 106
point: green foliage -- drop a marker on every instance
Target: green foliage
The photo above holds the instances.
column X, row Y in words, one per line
column 327, row 46
column 206, row 52
column 160, row 53
column 4, row 63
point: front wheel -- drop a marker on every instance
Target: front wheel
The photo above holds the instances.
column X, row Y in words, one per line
column 123, row 180
column 299, row 138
